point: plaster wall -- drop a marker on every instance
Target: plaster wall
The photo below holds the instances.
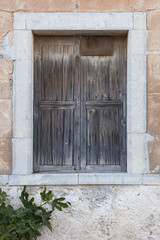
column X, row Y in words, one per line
column 101, row 212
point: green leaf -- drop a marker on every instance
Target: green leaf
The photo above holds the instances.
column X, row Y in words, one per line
column 2, row 196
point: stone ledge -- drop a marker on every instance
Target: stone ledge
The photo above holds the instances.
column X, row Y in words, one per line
column 4, row 180
column 65, row 21
column 44, row 179
column 80, row 179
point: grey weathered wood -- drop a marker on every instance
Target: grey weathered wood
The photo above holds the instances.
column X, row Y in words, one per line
column 57, row 104
column 105, row 83
column 80, row 104
column 96, row 46
column 54, row 101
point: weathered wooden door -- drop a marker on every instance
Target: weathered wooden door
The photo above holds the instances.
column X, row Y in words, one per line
column 80, row 104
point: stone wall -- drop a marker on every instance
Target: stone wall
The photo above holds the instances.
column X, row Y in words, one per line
column 102, row 213
column 96, row 212
column 7, row 8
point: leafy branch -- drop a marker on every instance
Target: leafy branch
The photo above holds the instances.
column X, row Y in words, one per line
column 23, row 223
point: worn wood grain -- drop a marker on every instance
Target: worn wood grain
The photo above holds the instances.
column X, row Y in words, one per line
column 80, row 101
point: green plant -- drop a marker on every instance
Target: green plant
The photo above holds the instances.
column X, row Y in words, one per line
column 23, row 223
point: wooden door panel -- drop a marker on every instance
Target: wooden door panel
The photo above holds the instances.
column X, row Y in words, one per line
column 58, row 72
column 103, row 137
column 104, row 107
column 55, row 103
column 56, row 137
column 80, row 104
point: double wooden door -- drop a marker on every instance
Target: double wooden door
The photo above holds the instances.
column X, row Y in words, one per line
column 80, row 104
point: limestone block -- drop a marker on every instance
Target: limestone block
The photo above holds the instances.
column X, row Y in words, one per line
column 153, row 41
column 23, row 99
column 139, row 20
column 6, row 69
column 5, row 118
column 137, row 42
column 153, row 69
column 6, row 46
column 154, row 156
column 23, row 41
column 5, row 89
column 5, row 162
column 3, row 180
column 151, row 179
column 22, row 156
column 136, row 94
column 109, row 178
column 5, row 145
column 6, row 20
column 44, row 179
column 153, row 108
column 19, row 21
column 153, row 20
column 37, row 5
column 103, row 6
column 136, row 153
column 80, row 21
column 136, row 5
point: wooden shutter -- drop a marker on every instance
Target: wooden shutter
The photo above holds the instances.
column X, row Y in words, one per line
column 55, row 111
column 103, row 74
column 80, row 104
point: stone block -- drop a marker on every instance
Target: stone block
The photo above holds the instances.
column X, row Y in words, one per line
column 151, row 179
column 103, row 6
column 153, row 18
column 5, row 145
column 22, row 156
column 22, row 98
column 109, row 178
column 136, row 94
column 137, row 5
column 5, row 118
column 136, row 153
column 5, row 162
column 23, row 42
column 153, row 109
column 49, row 6
column 3, row 180
column 80, row 21
column 6, row 131
column 37, row 5
column 137, row 42
column 6, row 23
column 139, row 20
column 154, row 156
column 44, row 179
column 153, row 73
column 6, row 69
column 153, row 41
column 5, row 89
column 19, row 21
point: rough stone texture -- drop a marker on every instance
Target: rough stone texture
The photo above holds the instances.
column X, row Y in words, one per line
column 154, row 152
column 103, row 213
column 5, row 156
column 6, row 20
column 153, row 20
column 37, row 5
column 6, row 69
column 153, row 69
column 103, row 5
column 154, row 41
column 139, row 5
column 153, row 120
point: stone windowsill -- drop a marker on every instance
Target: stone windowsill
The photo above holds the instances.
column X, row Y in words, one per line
column 81, row 179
